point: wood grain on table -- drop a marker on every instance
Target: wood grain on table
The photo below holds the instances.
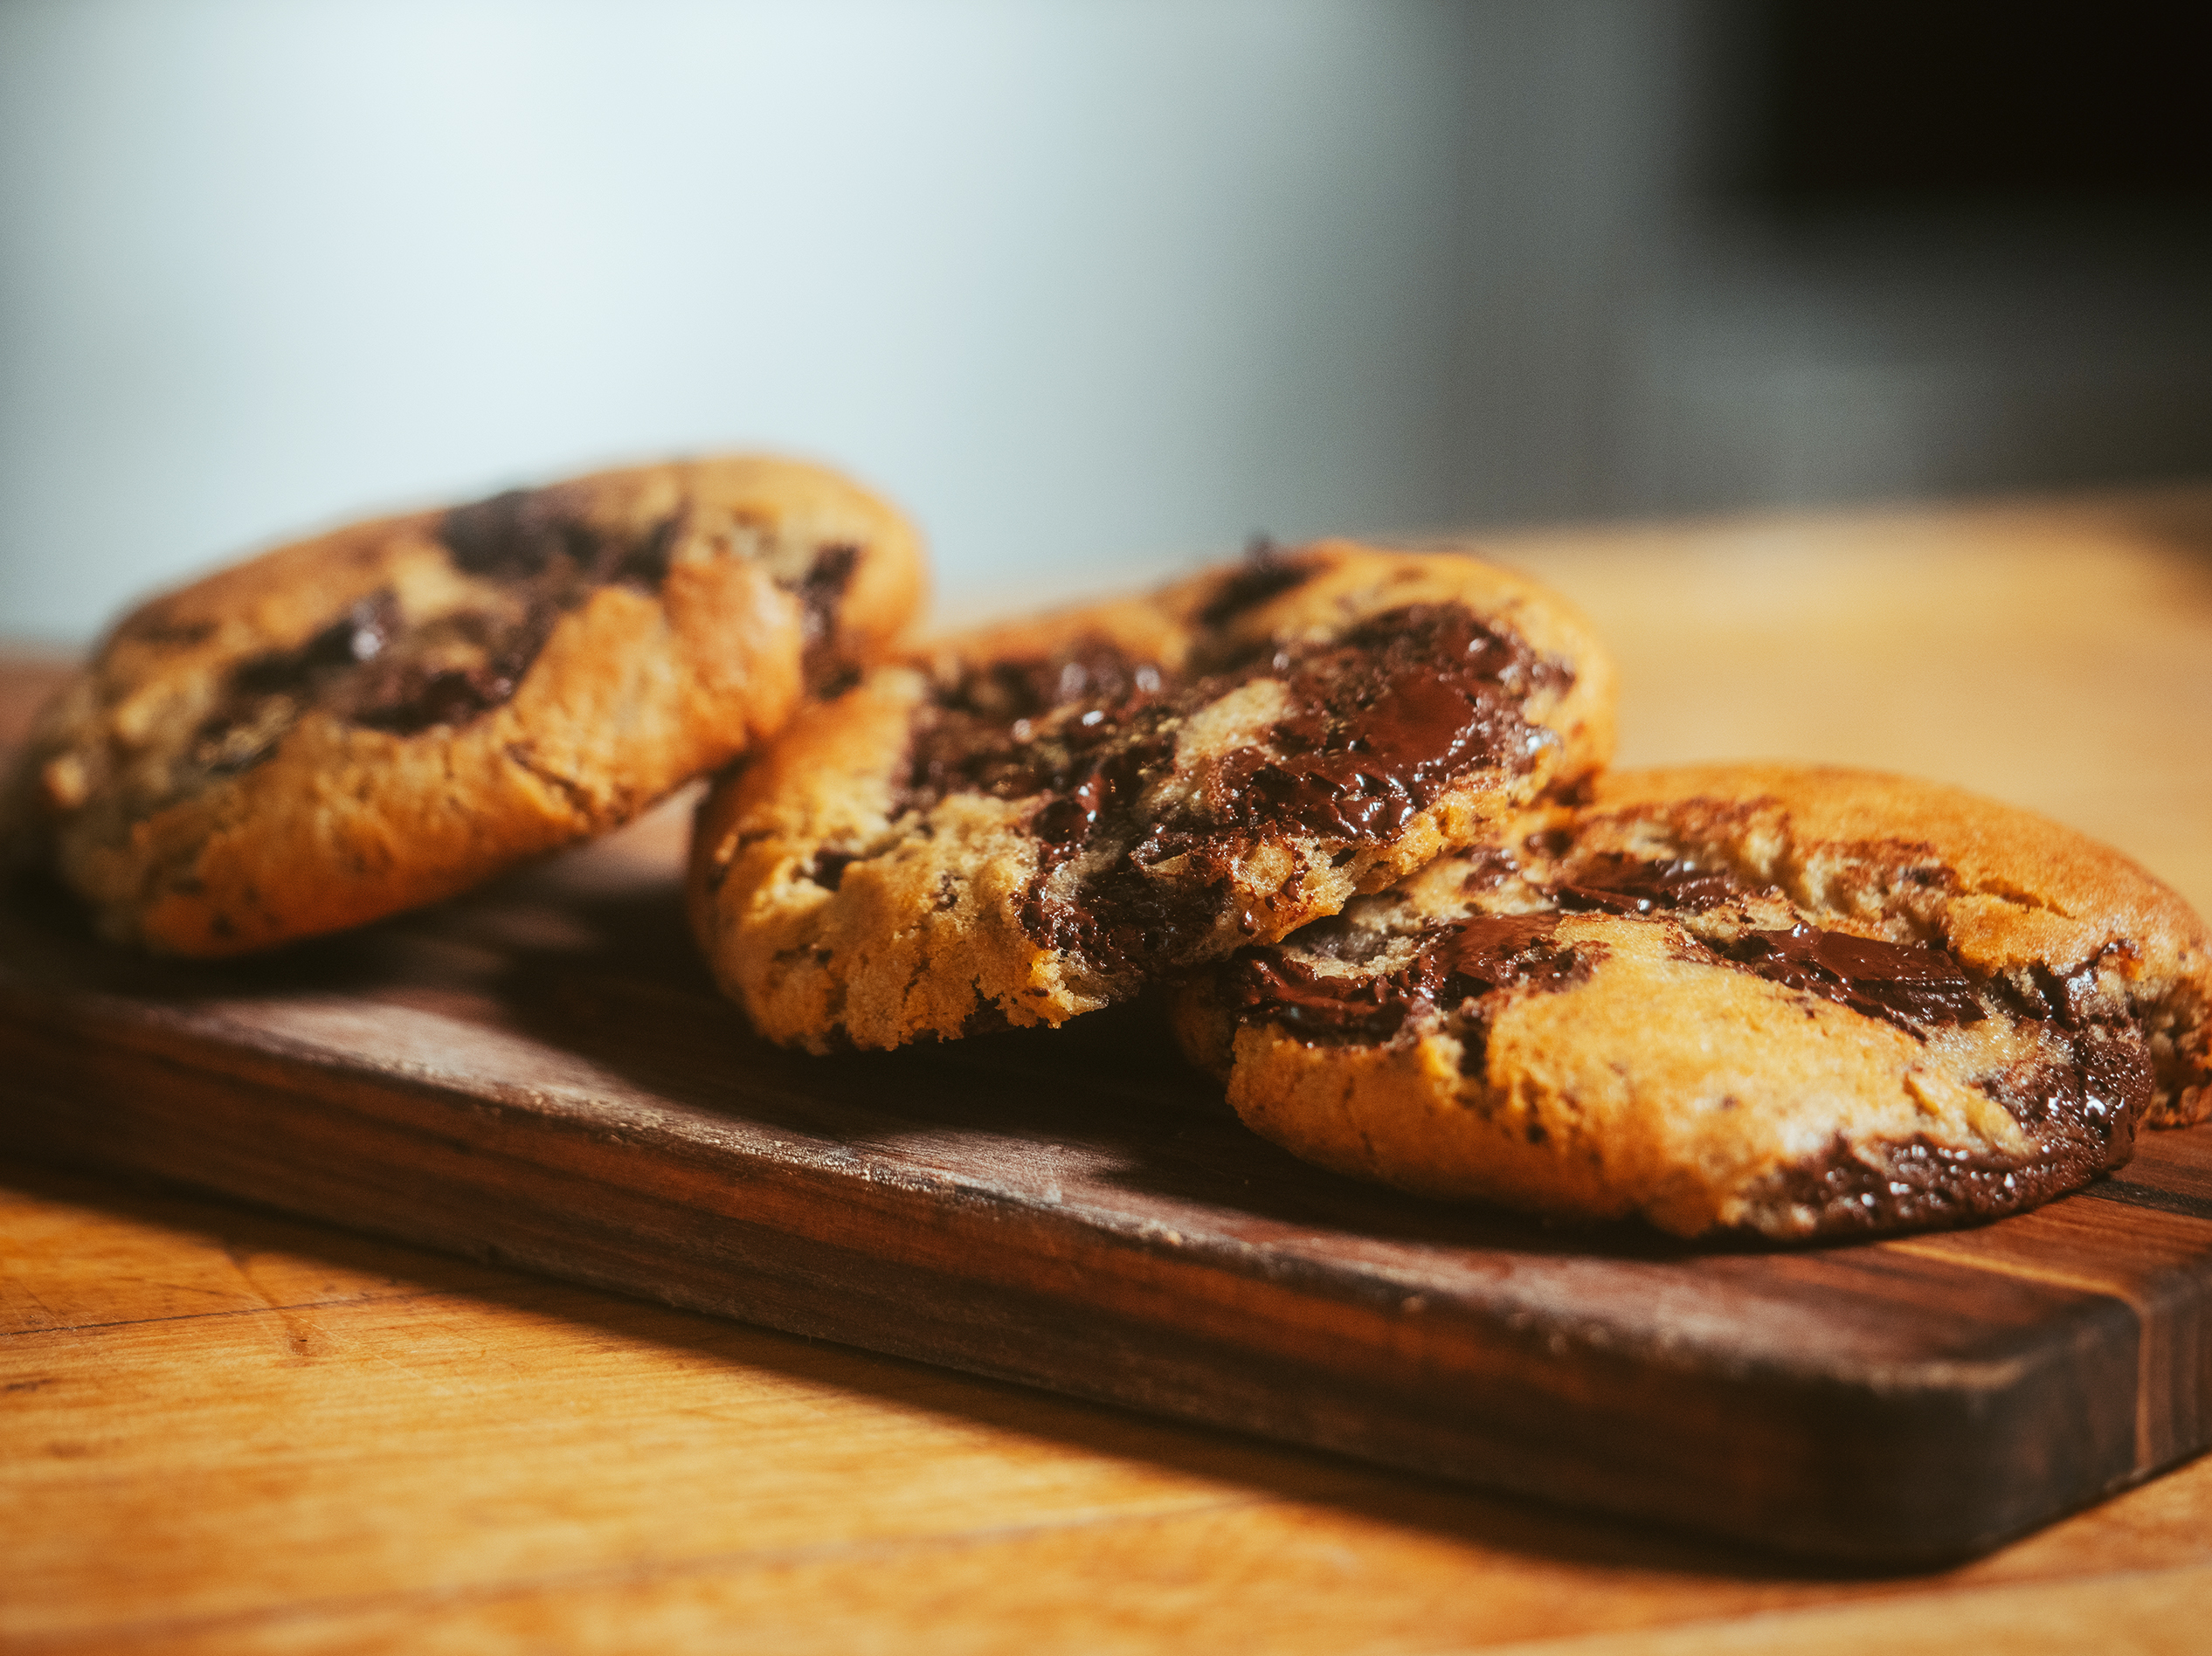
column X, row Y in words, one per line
column 225, row 1431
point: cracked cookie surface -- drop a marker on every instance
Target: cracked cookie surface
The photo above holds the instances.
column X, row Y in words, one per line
column 385, row 715
column 1027, row 823
column 1780, row 1000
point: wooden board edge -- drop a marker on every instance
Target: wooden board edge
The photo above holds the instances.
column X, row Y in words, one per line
column 173, row 1123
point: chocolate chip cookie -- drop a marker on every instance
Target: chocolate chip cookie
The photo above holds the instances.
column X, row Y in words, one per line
column 386, row 714
column 1780, row 1000
column 1030, row 822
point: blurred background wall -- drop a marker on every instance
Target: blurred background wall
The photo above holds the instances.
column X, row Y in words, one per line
column 1092, row 287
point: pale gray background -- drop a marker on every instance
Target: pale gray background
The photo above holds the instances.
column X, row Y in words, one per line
column 1091, row 286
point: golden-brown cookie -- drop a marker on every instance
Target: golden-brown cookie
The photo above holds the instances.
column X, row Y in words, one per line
column 1031, row 821
column 1785, row 1000
column 384, row 715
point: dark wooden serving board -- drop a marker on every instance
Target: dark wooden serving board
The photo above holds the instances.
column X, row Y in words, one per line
column 542, row 1074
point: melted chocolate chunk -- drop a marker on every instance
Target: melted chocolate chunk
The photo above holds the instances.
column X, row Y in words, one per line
column 1917, row 1182
column 2080, row 1101
column 819, row 591
column 361, row 634
column 1268, row 986
column 2104, row 1085
column 517, row 534
column 1454, row 966
column 1122, row 919
column 1094, row 672
column 1081, row 733
column 2081, row 1110
column 1267, row 574
column 1379, row 723
column 409, row 696
column 1127, row 923
column 247, row 721
column 827, row 869
column 1383, row 721
column 354, row 669
column 2119, row 1075
column 417, row 700
column 1618, row 884
column 989, row 733
column 1491, row 952
column 1906, row 983
column 1490, row 869
column 534, row 535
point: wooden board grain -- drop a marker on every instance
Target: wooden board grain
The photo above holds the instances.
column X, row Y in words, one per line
column 542, row 1074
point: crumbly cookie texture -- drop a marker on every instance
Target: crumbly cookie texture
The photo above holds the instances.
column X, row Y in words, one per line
column 1028, row 823
column 385, row 715
column 1765, row 998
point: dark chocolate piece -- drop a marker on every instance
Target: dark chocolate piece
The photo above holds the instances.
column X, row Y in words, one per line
column 1489, row 868
column 2118, row 1077
column 1270, row 986
column 1126, row 922
column 361, row 634
column 246, row 722
column 1380, row 723
column 1459, row 963
column 819, row 591
column 1916, row 1183
column 828, row 868
column 407, row 696
column 1337, row 937
column 1266, row 574
column 1491, row 952
column 540, row 535
column 989, row 733
column 1906, row 983
column 2111, row 1077
column 1382, row 720
column 517, row 534
column 1619, row 884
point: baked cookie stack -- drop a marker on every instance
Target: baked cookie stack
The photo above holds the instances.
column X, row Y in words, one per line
column 1347, row 810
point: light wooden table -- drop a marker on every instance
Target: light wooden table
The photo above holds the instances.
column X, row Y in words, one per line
column 221, row 1431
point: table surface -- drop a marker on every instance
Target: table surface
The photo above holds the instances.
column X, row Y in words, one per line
column 225, row 1431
